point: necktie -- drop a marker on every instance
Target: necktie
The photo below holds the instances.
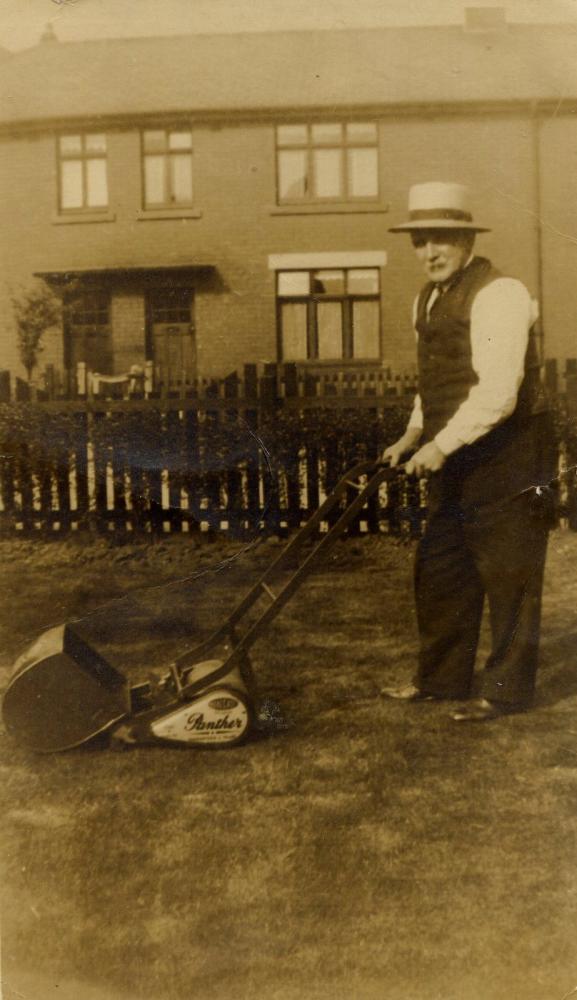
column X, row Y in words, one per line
column 435, row 294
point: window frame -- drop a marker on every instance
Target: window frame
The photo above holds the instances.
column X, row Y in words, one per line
column 344, row 146
column 83, row 157
column 178, row 311
column 78, row 306
column 346, row 300
column 169, row 204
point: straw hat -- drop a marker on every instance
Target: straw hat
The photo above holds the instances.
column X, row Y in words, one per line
column 438, row 205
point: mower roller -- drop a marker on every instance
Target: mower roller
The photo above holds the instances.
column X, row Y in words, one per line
column 63, row 693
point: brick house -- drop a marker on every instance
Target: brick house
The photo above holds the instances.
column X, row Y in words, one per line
column 223, row 199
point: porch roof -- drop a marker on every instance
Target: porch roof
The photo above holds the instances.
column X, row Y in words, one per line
column 70, row 273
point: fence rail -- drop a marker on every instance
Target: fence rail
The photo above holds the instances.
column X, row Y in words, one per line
column 264, row 381
column 239, row 455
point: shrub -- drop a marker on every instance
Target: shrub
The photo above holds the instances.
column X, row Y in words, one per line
column 35, row 311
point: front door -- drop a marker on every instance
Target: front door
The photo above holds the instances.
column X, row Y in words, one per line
column 173, row 339
column 89, row 331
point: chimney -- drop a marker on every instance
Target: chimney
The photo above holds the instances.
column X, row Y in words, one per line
column 485, row 20
column 48, row 35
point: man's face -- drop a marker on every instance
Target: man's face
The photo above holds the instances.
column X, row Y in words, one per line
column 442, row 252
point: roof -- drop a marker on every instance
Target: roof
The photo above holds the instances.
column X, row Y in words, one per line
column 288, row 70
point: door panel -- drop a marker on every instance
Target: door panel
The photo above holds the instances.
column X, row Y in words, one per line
column 172, row 335
column 93, row 345
column 174, row 353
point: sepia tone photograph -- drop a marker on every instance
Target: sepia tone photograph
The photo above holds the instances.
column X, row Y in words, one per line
column 288, row 500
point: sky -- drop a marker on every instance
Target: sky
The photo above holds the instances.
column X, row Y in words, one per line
column 23, row 21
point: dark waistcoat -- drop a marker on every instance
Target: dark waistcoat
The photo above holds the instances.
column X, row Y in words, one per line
column 510, row 458
column 446, row 373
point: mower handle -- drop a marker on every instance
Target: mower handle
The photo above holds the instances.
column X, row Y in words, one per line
column 368, row 466
column 377, row 472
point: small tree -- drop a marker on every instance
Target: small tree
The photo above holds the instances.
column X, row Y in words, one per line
column 35, row 310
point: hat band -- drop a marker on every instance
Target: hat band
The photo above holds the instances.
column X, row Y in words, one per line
column 417, row 214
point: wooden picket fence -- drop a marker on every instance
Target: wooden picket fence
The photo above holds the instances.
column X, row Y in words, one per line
column 100, row 483
column 104, row 478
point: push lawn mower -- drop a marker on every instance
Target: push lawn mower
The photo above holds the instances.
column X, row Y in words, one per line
column 63, row 693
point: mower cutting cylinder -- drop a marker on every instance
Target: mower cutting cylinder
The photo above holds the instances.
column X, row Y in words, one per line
column 62, row 693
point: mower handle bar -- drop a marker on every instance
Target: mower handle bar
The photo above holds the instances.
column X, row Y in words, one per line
column 381, row 472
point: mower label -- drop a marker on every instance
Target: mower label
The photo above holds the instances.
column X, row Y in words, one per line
column 198, row 723
column 216, row 717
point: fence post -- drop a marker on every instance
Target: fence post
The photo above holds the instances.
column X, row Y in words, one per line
column 81, row 378
column 292, row 465
column 4, row 386
column 22, row 391
column 291, row 380
column 251, row 415
column 551, row 377
column 233, row 515
column 268, row 406
column 148, row 378
column 268, row 385
column 50, row 381
column 571, row 386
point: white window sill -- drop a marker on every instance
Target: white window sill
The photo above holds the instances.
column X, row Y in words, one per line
column 332, row 208
column 76, row 218
column 150, row 214
column 334, row 258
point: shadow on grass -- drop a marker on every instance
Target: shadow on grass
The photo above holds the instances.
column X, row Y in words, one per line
column 558, row 677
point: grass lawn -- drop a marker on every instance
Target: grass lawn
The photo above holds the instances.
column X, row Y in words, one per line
column 371, row 851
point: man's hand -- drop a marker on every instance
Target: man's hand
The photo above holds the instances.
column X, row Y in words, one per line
column 395, row 452
column 429, row 458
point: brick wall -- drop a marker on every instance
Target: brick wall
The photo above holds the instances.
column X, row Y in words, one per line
column 239, row 226
column 558, row 214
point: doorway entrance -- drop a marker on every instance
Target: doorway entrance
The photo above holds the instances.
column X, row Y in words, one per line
column 172, row 335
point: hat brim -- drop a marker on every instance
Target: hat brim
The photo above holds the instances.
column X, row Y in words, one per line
column 408, row 227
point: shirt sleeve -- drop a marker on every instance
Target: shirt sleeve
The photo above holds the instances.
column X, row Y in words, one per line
column 501, row 317
column 416, row 418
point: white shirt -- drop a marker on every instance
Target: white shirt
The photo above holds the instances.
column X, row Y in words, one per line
column 501, row 317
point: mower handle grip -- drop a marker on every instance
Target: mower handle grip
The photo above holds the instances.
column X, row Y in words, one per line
column 368, row 466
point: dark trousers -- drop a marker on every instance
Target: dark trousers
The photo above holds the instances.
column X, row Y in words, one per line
column 496, row 549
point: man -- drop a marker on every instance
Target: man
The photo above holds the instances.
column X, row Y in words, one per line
column 481, row 433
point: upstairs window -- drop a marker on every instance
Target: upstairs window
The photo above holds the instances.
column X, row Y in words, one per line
column 329, row 315
column 82, row 169
column 167, row 167
column 331, row 161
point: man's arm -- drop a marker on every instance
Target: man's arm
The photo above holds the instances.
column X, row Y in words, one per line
column 410, row 439
column 414, row 430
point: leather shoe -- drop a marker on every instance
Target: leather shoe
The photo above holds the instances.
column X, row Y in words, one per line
column 480, row 710
column 407, row 692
